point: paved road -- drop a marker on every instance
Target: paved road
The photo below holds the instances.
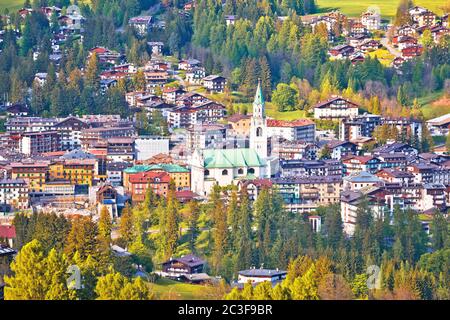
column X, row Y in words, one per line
column 392, row 50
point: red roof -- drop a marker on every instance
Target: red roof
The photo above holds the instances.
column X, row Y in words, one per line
column 289, row 124
column 149, row 177
column 7, row 232
column 360, row 159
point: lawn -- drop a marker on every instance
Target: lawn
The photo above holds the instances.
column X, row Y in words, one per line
column 10, row 4
column 169, row 289
column 383, row 55
column 387, row 7
column 272, row 112
column 17, row 4
column 434, row 105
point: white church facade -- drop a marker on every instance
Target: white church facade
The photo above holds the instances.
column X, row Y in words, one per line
column 229, row 166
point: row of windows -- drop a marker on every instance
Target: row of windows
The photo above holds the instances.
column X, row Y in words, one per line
column 240, row 171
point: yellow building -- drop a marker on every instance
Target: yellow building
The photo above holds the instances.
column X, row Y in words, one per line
column 78, row 172
column 35, row 174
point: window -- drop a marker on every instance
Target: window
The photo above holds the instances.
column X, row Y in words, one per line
column 224, row 172
column 251, row 171
column 240, row 171
column 206, row 172
column 259, row 132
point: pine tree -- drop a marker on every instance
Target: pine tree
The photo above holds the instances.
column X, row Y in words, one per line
column 92, row 72
column 139, row 81
column 244, row 235
column 29, row 267
column 104, row 235
column 194, row 212
column 126, row 226
column 439, row 231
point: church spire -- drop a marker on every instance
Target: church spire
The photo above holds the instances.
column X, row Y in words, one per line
column 258, row 103
column 259, row 97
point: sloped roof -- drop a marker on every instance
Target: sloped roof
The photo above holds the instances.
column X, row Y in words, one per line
column 171, row 168
column 231, row 158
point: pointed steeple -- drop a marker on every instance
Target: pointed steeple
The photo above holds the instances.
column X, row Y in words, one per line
column 258, row 103
column 259, row 97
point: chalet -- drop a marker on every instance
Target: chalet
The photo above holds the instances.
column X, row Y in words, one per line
column 105, row 55
column 156, row 47
column 416, row 11
column 188, row 6
column 184, row 265
column 356, row 58
column 105, row 192
column 188, row 64
column 208, row 112
column 17, row 110
column 255, row 276
column 336, row 108
column 438, row 32
column 358, row 28
column 360, row 180
column 397, row 62
column 356, row 164
column 40, row 78
column 405, row 42
column 341, row 51
column 190, row 99
column 396, row 147
column 48, row 11
column 170, row 95
column 230, row 20
column 214, row 83
column 155, row 79
column 125, row 68
column 141, row 24
column 411, row 52
column 370, row 45
column 357, row 40
column 371, row 20
column 406, row 30
column 113, row 75
column 71, row 22
column 427, row 18
column 24, row 12
column 195, row 75
column 396, row 176
column 105, row 84
column 339, row 149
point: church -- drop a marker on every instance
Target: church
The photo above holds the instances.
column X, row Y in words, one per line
column 229, row 166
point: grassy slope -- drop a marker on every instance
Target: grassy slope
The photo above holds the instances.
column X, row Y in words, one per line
column 165, row 288
column 388, row 7
column 17, row 4
column 10, row 4
column 433, row 105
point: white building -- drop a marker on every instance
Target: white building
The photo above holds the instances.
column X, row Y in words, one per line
column 255, row 276
column 14, row 194
column 336, row 108
column 301, row 129
column 148, row 146
column 224, row 167
column 371, row 20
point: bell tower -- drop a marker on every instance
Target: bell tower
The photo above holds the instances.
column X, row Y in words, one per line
column 258, row 124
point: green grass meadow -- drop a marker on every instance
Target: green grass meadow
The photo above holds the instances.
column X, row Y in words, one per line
column 388, row 8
